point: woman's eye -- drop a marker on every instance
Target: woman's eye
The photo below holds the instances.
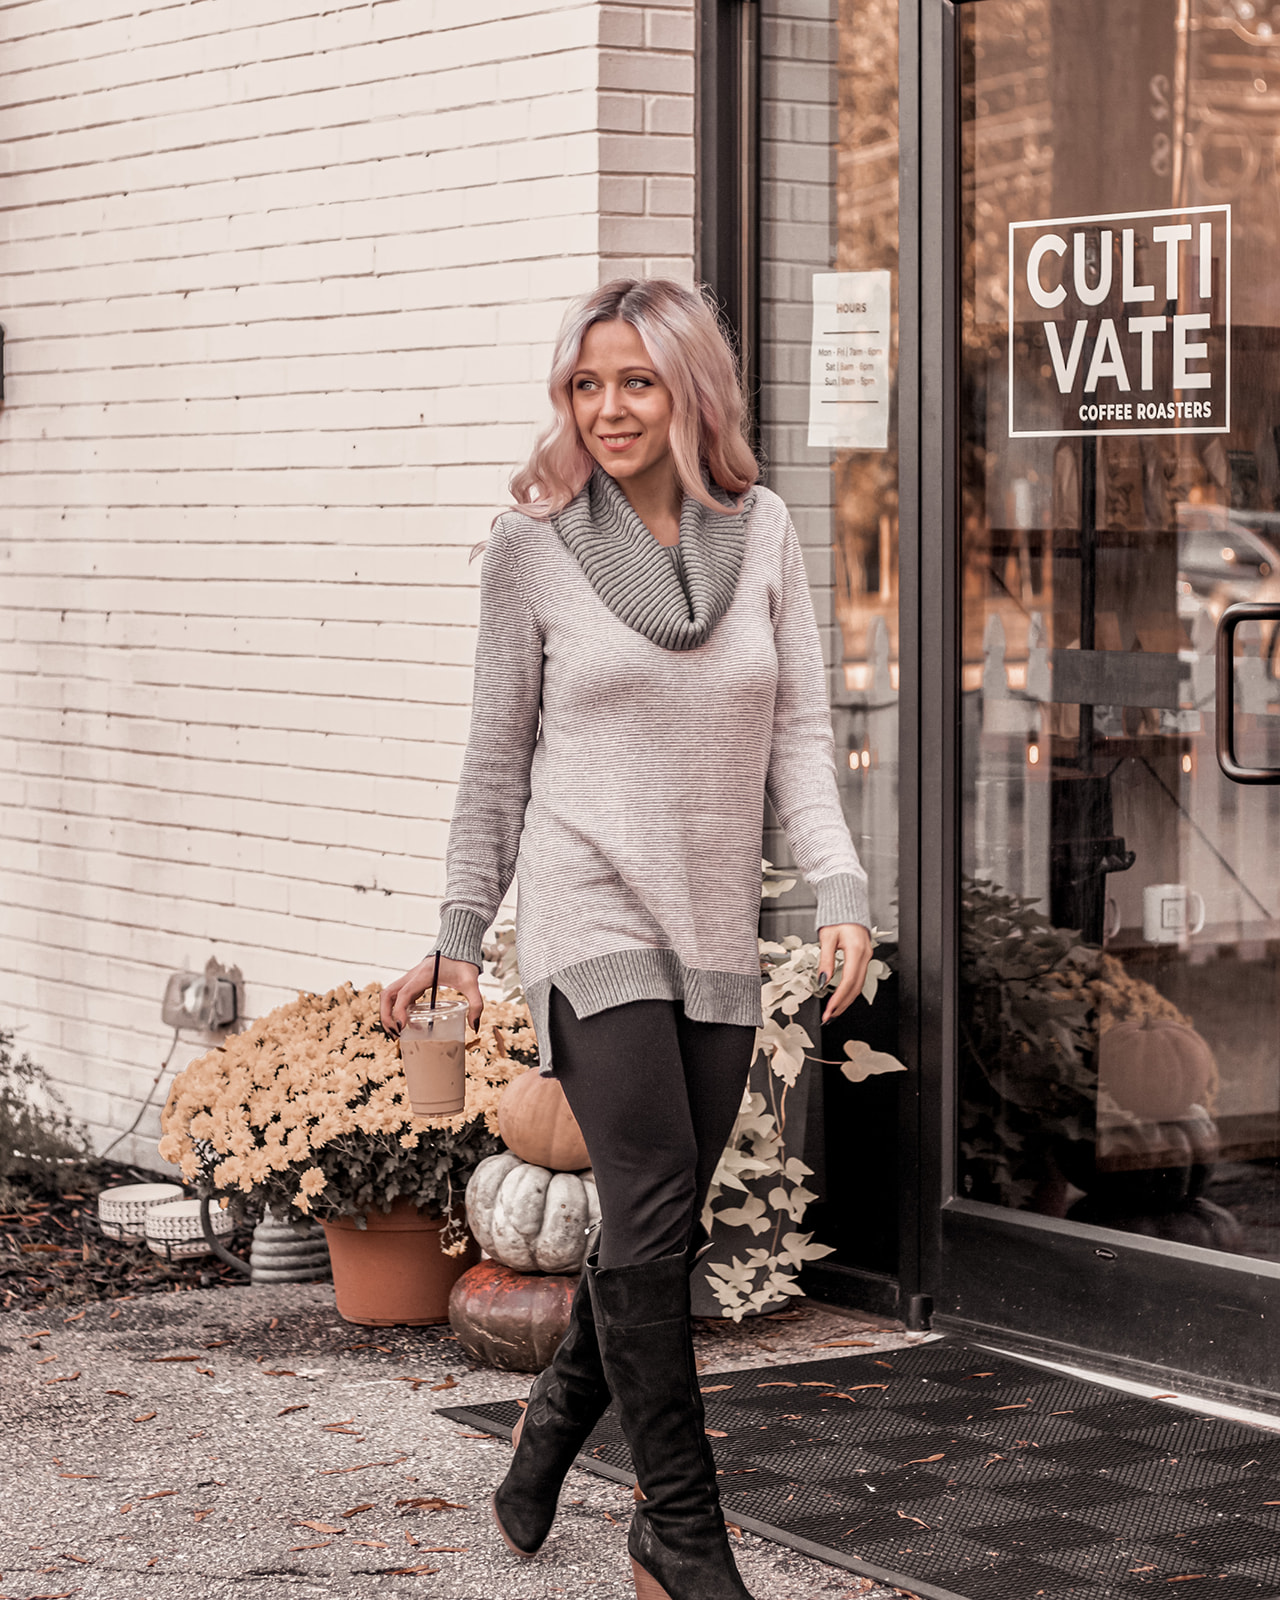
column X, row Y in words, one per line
column 584, row 384
column 637, row 383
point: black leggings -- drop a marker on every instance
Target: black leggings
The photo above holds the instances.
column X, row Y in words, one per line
column 655, row 1096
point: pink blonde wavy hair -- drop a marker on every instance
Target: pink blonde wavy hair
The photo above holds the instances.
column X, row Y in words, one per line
column 691, row 356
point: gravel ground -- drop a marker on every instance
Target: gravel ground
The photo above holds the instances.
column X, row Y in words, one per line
column 247, row 1442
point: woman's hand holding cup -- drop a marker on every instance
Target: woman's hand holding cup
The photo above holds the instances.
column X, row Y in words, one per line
column 462, row 976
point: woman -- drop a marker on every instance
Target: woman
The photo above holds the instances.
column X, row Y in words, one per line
column 648, row 669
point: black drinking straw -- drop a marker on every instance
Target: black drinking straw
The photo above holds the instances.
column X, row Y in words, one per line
column 435, row 984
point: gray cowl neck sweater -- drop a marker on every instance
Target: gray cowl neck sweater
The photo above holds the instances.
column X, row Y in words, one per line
column 672, row 594
column 633, row 707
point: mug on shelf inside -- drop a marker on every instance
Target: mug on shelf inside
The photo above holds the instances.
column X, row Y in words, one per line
column 1165, row 908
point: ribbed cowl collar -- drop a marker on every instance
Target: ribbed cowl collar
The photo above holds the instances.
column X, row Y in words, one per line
column 673, row 595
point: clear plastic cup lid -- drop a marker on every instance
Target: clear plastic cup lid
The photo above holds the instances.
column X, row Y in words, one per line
column 424, row 1007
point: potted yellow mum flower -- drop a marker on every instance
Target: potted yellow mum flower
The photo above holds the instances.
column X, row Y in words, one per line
column 306, row 1113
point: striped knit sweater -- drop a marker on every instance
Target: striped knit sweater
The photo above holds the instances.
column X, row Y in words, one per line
column 633, row 705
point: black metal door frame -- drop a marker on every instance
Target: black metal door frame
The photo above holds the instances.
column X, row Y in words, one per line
column 1117, row 1301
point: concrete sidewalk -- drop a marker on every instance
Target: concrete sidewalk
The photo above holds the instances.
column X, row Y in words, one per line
column 247, row 1442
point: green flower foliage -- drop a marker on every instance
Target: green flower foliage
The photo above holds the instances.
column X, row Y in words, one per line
column 1028, row 1027
column 41, row 1145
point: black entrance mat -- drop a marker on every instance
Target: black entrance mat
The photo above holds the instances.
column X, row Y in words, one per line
column 954, row 1473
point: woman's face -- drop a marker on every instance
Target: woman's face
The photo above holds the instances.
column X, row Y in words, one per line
column 621, row 405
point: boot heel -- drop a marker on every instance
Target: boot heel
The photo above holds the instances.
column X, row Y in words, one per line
column 647, row 1588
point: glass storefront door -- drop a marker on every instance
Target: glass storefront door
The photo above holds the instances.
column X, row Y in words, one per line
column 828, row 239
column 1118, row 1003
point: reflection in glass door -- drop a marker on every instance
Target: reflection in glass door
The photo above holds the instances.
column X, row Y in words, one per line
column 1119, row 1015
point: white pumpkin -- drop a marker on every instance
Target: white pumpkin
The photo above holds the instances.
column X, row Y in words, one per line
column 529, row 1218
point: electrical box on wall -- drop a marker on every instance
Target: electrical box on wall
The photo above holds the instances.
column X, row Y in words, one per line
column 204, row 1002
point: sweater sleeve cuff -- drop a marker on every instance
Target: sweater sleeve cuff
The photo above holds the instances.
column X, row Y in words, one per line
column 461, row 934
column 843, row 898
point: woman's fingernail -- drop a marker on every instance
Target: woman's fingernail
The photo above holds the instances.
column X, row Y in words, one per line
column 822, row 979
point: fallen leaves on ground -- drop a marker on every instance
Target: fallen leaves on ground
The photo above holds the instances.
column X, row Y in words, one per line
column 69, row 1377
column 329, row 1472
column 356, row 1510
column 840, row 1344
column 319, row 1527
column 287, row 1409
column 429, row 1502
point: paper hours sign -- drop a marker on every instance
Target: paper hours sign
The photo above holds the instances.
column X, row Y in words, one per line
column 1121, row 324
column 849, row 361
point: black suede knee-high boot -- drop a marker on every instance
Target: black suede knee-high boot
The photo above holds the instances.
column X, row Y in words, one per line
column 678, row 1544
column 564, row 1405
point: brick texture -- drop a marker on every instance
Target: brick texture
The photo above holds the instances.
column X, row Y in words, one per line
column 647, row 146
column 280, row 289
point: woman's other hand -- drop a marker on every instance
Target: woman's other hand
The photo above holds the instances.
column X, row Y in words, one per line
column 397, row 997
column 853, row 941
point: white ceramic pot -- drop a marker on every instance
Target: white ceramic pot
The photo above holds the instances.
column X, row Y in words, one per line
column 173, row 1229
column 122, row 1211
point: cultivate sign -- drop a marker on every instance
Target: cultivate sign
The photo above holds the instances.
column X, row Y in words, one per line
column 1121, row 324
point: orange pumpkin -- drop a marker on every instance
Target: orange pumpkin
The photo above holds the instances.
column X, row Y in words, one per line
column 1157, row 1069
column 510, row 1319
column 535, row 1122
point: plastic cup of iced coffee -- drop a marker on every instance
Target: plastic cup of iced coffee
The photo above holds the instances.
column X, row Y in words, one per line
column 434, row 1052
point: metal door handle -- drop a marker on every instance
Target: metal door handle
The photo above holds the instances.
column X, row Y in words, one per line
column 1232, row 617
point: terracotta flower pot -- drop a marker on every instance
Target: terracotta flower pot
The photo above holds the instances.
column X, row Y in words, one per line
column 393, row 1273
column 511, row 1319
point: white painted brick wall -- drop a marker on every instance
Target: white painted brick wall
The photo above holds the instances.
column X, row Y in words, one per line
column 647, row 146
column 279, row 293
